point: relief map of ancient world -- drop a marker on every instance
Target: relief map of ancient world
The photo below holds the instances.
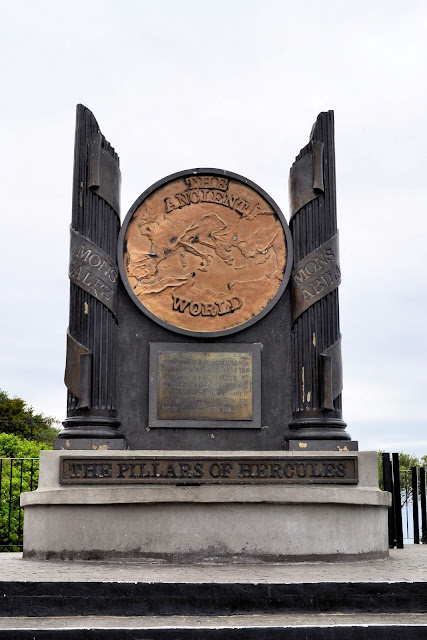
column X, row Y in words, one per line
column 204, row 253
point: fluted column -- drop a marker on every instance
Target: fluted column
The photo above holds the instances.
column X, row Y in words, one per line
column 316, row 338
column 92, row 332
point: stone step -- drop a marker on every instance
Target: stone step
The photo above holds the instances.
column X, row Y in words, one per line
column 408, row 626
column 27, row 598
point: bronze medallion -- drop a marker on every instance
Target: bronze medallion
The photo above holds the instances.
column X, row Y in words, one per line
column 205, row 252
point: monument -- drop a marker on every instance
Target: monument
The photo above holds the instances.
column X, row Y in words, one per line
column 204, row 415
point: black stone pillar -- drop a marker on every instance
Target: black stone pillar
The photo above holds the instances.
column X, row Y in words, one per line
column 92, row 333
column 317, row 385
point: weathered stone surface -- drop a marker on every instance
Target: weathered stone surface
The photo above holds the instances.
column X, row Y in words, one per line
column 216, row 523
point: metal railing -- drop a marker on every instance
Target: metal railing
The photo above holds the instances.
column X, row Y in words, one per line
column 17, row 475
column 413, row 498
column 407, row 517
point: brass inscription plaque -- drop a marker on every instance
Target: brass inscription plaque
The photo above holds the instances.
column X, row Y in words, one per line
column 204, row 386
column 208, row 470
column 205, row 254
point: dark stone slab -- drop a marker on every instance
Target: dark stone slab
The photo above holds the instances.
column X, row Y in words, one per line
column 137, row 330
column 91, row 444
column 336, row 632
column 323, row 445
column 184, row 599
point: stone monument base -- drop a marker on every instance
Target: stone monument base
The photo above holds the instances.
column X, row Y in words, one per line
column 244, row 523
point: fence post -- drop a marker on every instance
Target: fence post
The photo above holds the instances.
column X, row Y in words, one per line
column 415, row 515
column 10, row 496
column 20, row 529
column 423, row 505
column 388, row 486
column 397, row 504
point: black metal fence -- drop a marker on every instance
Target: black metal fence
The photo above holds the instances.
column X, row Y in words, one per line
column 17, row 475
column 407, row 517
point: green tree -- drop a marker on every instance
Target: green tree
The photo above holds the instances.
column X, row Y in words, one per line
column 23, row 433
column 19, row 471
column 18, row 418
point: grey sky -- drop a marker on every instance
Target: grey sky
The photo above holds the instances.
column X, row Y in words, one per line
column 235, row 85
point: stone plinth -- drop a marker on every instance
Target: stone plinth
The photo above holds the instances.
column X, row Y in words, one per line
column 206, row 523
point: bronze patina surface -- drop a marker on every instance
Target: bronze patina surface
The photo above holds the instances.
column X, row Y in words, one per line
column 204, row 386
column 209, row 386
column 205, row 253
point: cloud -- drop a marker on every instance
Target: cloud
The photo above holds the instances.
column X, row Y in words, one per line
column 237, row 86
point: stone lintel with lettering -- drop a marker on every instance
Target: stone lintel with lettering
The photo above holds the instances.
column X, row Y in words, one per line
column 172, row 469
column 50, row 487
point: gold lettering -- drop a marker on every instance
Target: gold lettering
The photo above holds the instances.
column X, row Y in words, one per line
column 300, row 277
column 252, row 211
column 229, row 200
column 192, row 181
column 209, row 309
column 235, row 303
column 222, row 183
column 170, row 206
column 224, row 307
column 194, row 196
column 183, row 199
column 206, row 181
column 179, row 304
column 85, row 279
column 195, row 308
column 98, row 260
column 241, row 205
column 307, row 295
column 321, row 261
column 317, row 285
column 310, row 267
column 81, row 253
column 207, row 196
column 76, row 274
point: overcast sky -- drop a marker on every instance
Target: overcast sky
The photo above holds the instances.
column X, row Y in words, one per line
column 235, row 85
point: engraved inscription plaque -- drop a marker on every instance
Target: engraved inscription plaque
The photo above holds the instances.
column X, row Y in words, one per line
column 205, row 252
column 204, row 385
column 209, row 470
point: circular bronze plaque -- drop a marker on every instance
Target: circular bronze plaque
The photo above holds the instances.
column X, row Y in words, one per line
column 205, row 252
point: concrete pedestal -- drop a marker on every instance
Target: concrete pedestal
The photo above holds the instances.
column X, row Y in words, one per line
column 219, row 523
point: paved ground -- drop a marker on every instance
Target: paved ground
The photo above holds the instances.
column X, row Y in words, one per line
column 404, row 565
column 214, row 622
